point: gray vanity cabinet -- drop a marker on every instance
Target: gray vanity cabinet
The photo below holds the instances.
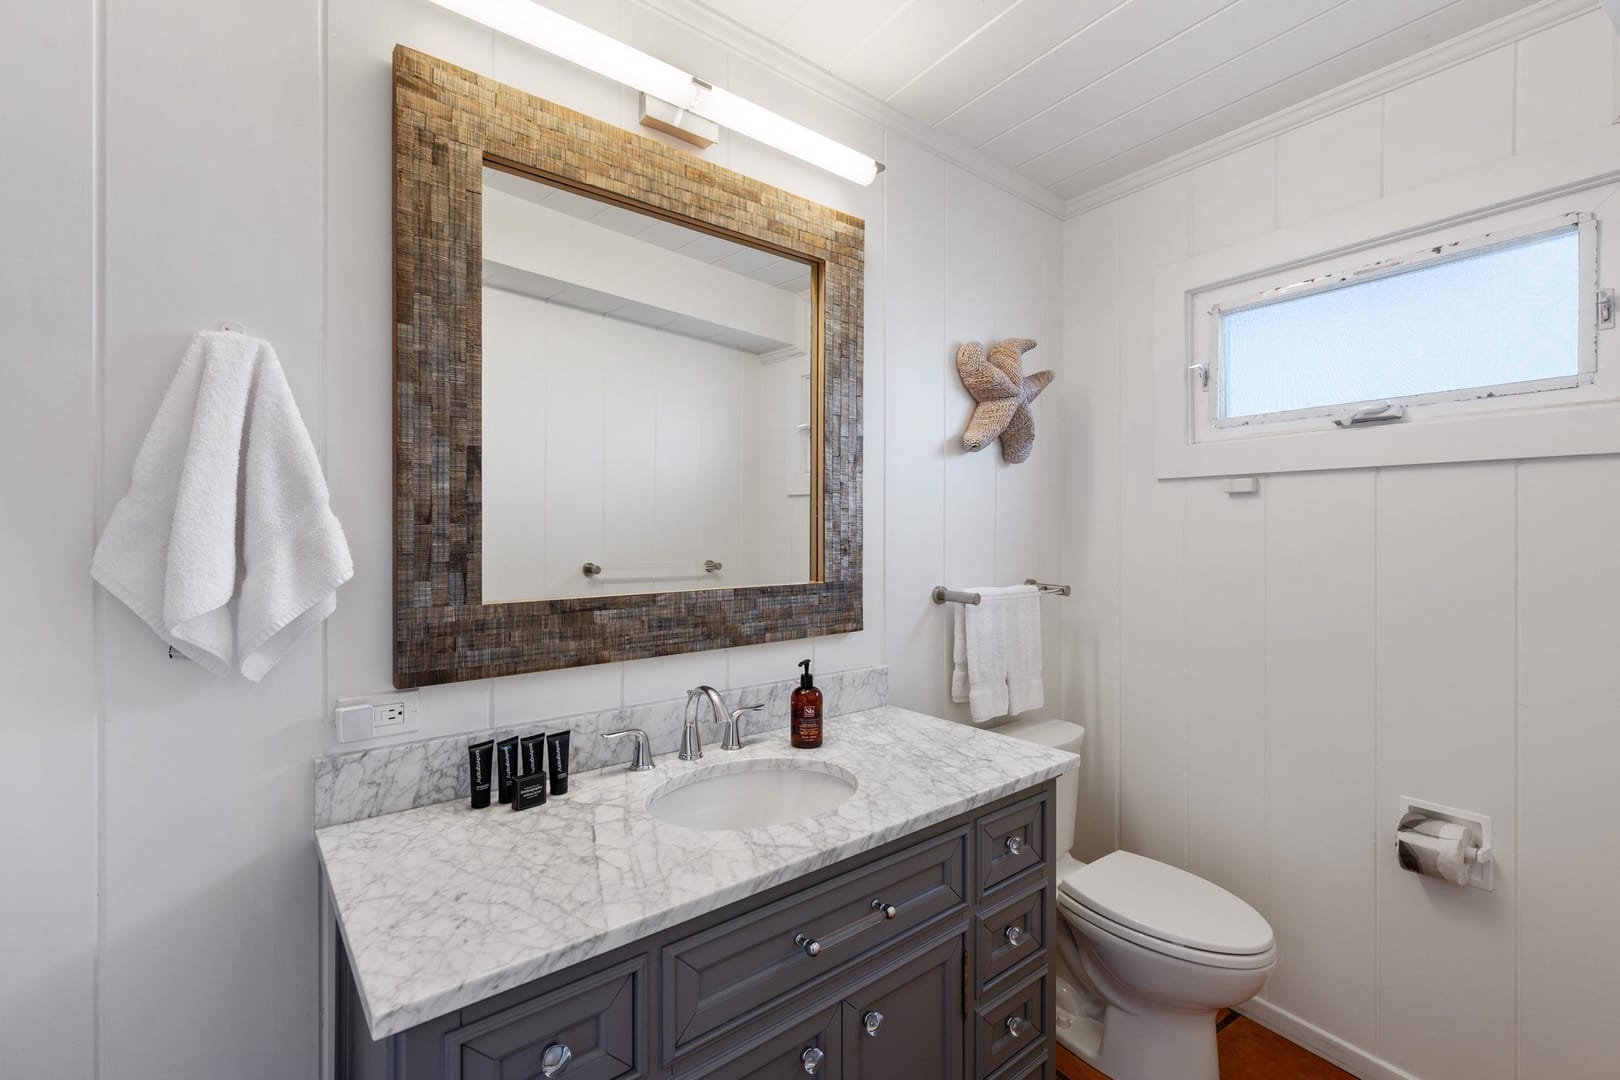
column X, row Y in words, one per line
column 924, row 959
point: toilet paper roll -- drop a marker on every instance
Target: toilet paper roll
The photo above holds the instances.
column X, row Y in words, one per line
column 1438, row 849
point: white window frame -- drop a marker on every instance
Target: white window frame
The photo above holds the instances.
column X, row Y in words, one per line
column 1211, row 355
column 1571, row 182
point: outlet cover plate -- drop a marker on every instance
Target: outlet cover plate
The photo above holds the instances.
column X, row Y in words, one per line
column 392, row 713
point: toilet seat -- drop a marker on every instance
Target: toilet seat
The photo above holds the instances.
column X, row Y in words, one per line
column 1169, row 911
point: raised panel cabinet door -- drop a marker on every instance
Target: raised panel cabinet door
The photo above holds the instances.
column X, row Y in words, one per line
column 907, row 1023
column 809, row 1048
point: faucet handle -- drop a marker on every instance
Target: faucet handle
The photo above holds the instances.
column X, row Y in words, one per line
column 642, row 758
column 733, row 732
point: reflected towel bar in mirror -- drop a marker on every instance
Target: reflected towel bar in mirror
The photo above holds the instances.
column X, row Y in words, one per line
column 654, row 573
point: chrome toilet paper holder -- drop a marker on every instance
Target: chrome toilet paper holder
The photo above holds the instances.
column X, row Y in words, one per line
column 1481, row 860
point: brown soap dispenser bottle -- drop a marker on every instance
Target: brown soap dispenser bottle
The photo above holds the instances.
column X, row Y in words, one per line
column 806, row 726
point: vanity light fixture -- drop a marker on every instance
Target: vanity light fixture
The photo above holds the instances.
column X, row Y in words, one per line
column 670, row 93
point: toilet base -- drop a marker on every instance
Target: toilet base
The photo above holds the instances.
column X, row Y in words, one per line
column 1079, row 1033
column 1153, row 1045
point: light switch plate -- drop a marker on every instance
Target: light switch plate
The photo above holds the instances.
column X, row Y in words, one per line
column 376, row 716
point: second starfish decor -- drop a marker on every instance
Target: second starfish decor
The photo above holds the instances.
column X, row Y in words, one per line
column 1003, row 393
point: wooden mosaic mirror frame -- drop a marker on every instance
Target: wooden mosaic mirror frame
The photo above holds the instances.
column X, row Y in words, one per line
column 448, row 123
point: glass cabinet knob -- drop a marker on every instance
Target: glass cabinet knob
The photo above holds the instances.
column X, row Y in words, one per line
column 554, row 1060
column 1015, row 845
column 872, row 1021
column 812, row 1058
column 1017, row 1026
column 1015, row 935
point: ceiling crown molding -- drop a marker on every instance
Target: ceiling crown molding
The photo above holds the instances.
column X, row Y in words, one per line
column 1504, row 31
column 798, row 70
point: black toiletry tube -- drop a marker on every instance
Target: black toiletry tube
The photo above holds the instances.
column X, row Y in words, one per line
column 480, row 765
column 529, row 790
column 557, row 750
column 532, row 754
column 506, row 767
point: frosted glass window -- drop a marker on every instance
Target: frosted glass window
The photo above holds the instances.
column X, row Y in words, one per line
column 1499, row 319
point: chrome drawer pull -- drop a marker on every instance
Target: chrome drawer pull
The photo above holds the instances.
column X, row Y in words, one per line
column 872, row 1021
column 812, row 1058
column 554, row 1060
column 889, row 910
column 810, row 945
column 1015, row 845
column 1017, row 1025
column 1015, row 936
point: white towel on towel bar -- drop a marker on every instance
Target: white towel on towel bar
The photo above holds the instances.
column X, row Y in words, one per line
column 996, row 653
column 226, row 544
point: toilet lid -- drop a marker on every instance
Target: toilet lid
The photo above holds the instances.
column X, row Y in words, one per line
column 1169, row 904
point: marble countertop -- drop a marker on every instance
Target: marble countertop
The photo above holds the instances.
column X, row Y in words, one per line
column 443, row 905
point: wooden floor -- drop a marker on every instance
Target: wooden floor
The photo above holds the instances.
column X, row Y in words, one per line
column 1248, row 1052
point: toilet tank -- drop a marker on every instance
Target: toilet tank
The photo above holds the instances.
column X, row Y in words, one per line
column 1060, row 735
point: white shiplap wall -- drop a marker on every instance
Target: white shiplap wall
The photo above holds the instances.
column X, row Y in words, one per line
column 190, row 164
column 1264, row 676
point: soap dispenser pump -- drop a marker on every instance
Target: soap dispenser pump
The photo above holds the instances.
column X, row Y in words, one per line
column 805, row 730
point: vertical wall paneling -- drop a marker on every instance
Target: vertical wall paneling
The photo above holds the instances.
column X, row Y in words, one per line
column 1226, row 715
column 1330, row 164
column 1565, row 81
column 177, row 934
column 1289, row 664
column 1322, row 832
column 916, row 380
column 1153, row 229
column 1090, row 390
column 213, row 212
column 1445, row 635
column 1450, row 121
column 1569, row 742
column 48, row 728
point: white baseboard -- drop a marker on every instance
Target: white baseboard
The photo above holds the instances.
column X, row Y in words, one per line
column 1352, row 1059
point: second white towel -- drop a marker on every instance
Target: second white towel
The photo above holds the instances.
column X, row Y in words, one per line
column 996, row 653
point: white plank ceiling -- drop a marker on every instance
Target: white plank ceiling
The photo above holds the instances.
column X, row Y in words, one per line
column 1075, row 93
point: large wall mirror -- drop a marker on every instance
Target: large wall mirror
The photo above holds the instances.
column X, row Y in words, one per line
column 627, row 393
column 646, row 402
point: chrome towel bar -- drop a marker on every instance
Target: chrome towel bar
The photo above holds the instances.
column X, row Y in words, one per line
column 942, row 595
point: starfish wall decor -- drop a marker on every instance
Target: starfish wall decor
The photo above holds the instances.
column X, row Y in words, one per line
column 1003, row 393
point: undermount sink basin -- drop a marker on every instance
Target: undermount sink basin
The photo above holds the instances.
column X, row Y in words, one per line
column 751, row 794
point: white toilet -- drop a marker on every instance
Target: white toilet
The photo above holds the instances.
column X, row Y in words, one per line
column 1148, row 953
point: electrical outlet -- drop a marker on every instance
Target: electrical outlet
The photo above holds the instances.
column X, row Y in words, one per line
column 376, row 716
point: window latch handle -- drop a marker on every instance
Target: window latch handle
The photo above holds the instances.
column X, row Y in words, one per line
column 1372, row 414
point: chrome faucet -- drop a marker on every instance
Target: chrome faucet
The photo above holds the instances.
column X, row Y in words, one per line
column 733, row 730
column 691, row 741
column 730, row 723
column 641, row 759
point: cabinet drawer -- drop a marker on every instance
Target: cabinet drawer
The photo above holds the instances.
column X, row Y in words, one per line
column 1005, row 937
column 1008, row 1026
column 1010, row 842
column 809, row 1048
column 729, row 970
column 1037, row 1067
column 598, row 1019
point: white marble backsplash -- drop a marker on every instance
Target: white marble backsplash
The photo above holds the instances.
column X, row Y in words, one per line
column 384, row 780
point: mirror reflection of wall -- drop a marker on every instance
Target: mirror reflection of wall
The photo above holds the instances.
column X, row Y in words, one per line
column 646, row 402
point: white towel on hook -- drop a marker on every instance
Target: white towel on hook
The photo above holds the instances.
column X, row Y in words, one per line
column 996, row 653
column 226, row 544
